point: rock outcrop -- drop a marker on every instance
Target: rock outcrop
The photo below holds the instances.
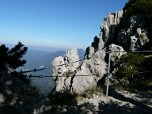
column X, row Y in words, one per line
column 92, row 68
column 63, row 68
column 128, row 33
column 79, row 77
column 109, row 24
column 116, row 52
column 116, row 36
column 132, row 35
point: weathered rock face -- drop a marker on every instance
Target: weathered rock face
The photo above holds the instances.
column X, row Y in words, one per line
column 132, row 36
column 63, row 68
column 130, row 33
column 109, row 24
column 94, row 69
column 116, row 52
column 78, row 77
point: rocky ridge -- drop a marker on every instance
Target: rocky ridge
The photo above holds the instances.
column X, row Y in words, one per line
column 81, row 76
column 118, row 35
column 115, row 36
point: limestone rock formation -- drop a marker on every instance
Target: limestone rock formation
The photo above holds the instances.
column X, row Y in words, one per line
column 130, row 34
column 116, row 52
column 133, row 35
column 117, row 36
column 93, row 67
column 109, row 24
column 79, row 77
column 63, row 68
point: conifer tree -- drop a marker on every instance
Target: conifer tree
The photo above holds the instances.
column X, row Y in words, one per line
column 10, row 59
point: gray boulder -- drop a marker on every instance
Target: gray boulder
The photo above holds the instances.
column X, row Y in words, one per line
column 77, row 78
column 116, row 52
column 90, row 72
column 63, row 68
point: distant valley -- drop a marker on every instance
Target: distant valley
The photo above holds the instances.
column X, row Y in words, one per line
column 37, row 59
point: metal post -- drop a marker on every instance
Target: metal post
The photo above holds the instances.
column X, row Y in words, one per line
column 108, row 76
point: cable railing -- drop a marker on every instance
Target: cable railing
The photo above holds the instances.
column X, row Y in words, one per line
column 44, row 76
column 34, row 70
column 46, row 68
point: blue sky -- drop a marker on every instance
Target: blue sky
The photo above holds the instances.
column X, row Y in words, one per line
column 54, row 23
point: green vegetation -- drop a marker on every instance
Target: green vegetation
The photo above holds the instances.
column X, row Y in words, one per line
column 92, row 91
column 131, row 64
column 142, row 7
column 88, row 93
column 14, row 86
column 68, row 98
column 141, row 12
column 11, row 59
column 136, row 69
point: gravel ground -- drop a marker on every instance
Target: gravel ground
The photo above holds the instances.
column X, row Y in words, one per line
column 117, row 102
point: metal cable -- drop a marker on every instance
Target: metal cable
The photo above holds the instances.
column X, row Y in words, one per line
column 35, row 70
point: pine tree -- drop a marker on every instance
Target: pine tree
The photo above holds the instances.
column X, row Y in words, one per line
column 10, row 59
